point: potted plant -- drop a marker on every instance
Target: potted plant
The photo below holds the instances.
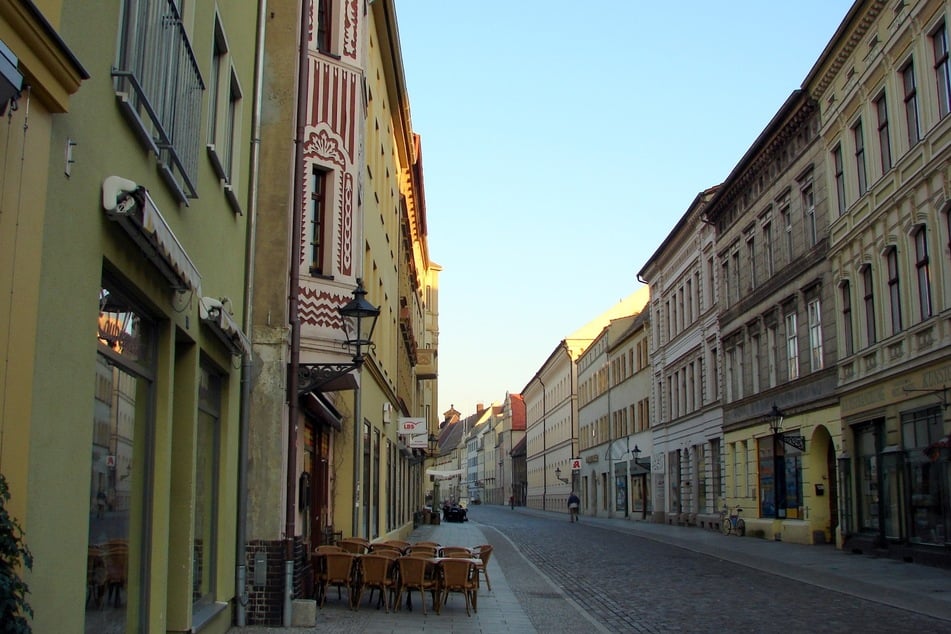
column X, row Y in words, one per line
column 14, row 556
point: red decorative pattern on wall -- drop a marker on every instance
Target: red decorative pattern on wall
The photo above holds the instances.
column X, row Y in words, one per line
column 333, row 102
column 350, row 29
column 318, row 307
column 345, row 229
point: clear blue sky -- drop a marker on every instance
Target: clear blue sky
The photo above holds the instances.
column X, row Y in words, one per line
column 560, row 147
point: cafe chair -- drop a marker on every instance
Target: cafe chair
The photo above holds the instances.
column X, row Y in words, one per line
column 398, row 543
column 377, row 572
column 354, row 545
column 425, row 551
column 416, row 574
column 459, row 575
column 327, row 548
column 381, row 547
column 483, row 552
column 434, row 544
column 115, row 554
column 456, row 551
column 338, row 571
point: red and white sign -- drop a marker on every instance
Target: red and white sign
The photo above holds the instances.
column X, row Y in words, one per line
column 576, row 464
column 411, row 426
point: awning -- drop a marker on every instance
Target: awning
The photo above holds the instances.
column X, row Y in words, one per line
column 319, row 408
column 444, row 474
column 131, row 206
column 224, row 326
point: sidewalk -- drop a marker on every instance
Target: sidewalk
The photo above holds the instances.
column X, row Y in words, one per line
column 499, row 610
column 914, row 587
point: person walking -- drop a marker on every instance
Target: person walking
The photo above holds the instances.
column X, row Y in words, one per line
column 573, row 503
column 512, row 502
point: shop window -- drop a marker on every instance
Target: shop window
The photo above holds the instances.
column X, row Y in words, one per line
column 867, row 478
column 206, row 487
column 117, row 484
column 927, row 482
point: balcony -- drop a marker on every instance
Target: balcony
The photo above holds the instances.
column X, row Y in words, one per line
column 409, row 336
column 426, row 364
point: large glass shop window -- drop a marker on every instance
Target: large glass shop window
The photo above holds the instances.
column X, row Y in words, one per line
column 867, row 476
column 118, row 482
column 928, row 474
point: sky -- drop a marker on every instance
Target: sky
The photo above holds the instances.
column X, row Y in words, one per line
column 561, row 146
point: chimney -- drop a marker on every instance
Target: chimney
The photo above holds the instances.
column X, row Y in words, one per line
column 480, row 408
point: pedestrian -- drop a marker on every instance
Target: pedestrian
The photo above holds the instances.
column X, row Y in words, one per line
column 512, row 502
column 100, row 503
column 573, row 503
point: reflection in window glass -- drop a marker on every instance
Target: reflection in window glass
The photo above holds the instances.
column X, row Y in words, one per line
column 206, row 481
column 116, row 484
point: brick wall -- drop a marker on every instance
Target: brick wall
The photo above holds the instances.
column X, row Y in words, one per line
column 266, row 602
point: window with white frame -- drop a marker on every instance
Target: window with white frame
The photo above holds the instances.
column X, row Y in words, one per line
column 894, row 290
column 815, row 335
column 755, row 362
column 942, row 72
column 839, row 174
column 924, row 276
column 858, row 137
column 868, row 298
column 792, row 347
column 884, row 140
column 809, row 212
column 911, row 103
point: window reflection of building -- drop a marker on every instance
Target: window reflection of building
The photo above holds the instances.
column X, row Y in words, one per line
column 206, row 483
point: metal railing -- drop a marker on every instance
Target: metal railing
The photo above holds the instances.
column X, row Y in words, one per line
column 160, row 86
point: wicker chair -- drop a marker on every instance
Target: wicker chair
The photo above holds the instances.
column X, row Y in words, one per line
column 459, row 575
column 483, row 552
column 354, row 545
column 338, row 571
column 416, row 573
column 378, row 572
column 456, row 551
column 425, row 551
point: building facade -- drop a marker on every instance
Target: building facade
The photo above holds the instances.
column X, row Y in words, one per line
column 777, row 331
column 685, row 460
column 883, row 83
column 139, row 189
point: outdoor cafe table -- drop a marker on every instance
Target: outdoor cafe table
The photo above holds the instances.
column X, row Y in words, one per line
column 436, row 561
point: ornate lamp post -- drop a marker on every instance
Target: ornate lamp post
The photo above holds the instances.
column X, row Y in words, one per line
column 433, row 449
column 775, row 420
column 359, row 320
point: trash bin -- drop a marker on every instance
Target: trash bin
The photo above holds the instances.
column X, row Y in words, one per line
column 416, row 517
column 435, row 518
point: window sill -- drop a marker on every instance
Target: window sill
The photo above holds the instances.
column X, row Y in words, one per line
column 204, row 614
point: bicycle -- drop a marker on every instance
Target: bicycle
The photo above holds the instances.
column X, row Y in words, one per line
column 732, row 523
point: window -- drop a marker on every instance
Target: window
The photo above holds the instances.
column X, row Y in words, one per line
column 869, row 300
column 324, row 29
column 919, row 430
column 858, row 137
column 924, row 277
column 755, row 362
column 768, row 247
column 847, row 338
column 206, row 487
column 867, row 447
column 911, row 103
column 809, row 213
column 939, row 43
column 786, row 216
column 771, row 354
column 736, row 274
column 815, row 335
column 884, row 144
column 839, row 178
column 894, row 292
column 318, row 211
column 726, row 282
column 751, row 260
column 163, row 99
column 792, row 347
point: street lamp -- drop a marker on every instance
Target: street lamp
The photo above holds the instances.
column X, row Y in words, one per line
column 359, row 320
column 775, row 421
column 433, row 448
column 558, row 475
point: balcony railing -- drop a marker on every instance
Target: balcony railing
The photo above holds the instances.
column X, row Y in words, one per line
column 160, row 88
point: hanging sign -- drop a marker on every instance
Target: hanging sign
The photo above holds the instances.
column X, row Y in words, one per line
column 411, row 426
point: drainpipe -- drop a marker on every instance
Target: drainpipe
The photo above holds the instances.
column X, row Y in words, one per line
column 293, row 315
column 241, row 537
column 544, row 445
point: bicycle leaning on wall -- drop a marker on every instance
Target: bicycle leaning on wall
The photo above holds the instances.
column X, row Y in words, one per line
column 731, row 523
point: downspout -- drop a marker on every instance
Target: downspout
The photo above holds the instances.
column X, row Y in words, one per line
column 544, row 445
column 241, row 538
column 293, row 316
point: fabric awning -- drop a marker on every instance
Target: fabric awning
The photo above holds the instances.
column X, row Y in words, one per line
column 131, row 206
column 319, row 408
column 224, row 326
column 443, row 474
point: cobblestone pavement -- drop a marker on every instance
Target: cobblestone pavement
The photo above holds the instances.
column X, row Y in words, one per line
column 601, row 575
column 632, row 583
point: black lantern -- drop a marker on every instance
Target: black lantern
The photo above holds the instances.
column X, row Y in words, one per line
column 558, row 475
column 433, row 443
